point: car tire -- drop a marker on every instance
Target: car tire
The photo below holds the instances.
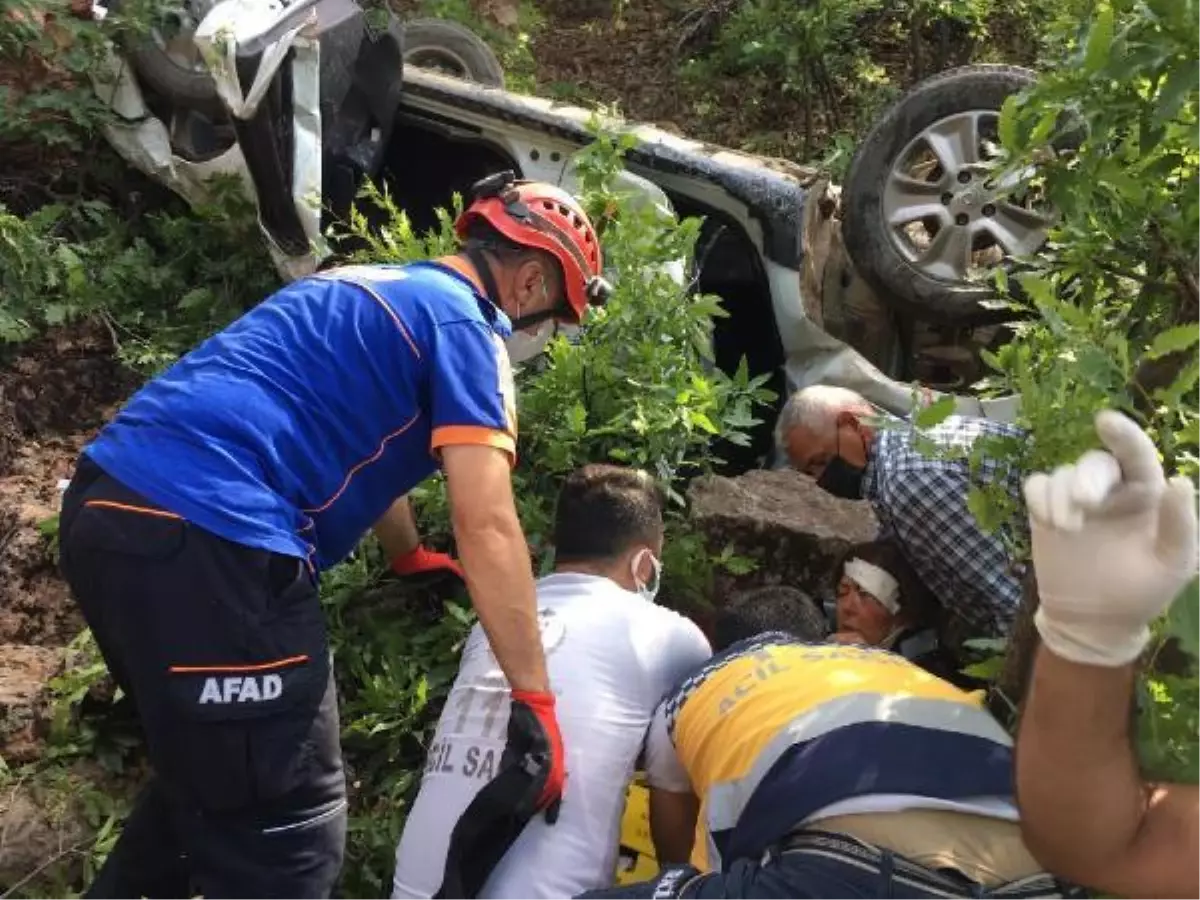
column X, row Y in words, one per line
column 447, row 46
column 873, row 245
column 179, row 86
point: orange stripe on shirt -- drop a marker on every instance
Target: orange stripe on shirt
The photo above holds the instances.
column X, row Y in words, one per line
column 357, row 467
column 260, row 667
column 465, row 269
column 449, row 435
column 126, row 507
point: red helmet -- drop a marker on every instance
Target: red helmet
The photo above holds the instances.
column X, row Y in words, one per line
column 540, row 215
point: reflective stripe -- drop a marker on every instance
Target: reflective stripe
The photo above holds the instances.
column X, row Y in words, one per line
column 308, row 823
column 726, row 800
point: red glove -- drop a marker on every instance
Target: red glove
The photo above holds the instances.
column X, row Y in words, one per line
column 533, row 729
column 422, row 560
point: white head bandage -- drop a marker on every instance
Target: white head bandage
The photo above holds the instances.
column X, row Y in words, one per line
column 876, row 582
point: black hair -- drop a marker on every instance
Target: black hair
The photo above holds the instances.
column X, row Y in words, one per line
column 603, row 510
column 482, row 235
column 916, row 602
column 772, row 608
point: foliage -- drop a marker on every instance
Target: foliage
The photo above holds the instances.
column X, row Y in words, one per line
column 396, row 656
column 636, row 384
column 1114, row 292
column 48, row 52
column 1109, row 305
column 159, row 284
column 838, row 62
column 85, row 779
column 807, row 51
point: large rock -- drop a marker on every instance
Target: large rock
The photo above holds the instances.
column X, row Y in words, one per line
column 50, row 820
column 25, row 672
column 36, row 830
column 780, row 518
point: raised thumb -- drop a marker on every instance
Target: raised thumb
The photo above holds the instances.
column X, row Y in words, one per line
column 1175, row 544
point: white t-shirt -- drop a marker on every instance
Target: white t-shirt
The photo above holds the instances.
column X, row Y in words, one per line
column 611, row 657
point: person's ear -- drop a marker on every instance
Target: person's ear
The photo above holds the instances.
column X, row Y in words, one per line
column 640, row 563
column 847, row 419
column 530, row 287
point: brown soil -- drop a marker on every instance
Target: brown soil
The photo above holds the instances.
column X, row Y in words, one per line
column 24, row 700
column 634, row 55
column 632, row 61
column 52, row 398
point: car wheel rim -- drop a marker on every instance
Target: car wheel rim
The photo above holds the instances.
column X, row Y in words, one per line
column 174, row 31
column 440, row 60
column 945, row 215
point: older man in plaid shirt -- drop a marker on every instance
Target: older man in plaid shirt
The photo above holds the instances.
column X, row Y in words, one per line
column 917, row 483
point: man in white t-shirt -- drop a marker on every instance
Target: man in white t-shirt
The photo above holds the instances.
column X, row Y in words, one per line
column 612, row 655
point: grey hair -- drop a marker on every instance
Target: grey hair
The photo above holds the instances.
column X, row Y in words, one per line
column 816, row 408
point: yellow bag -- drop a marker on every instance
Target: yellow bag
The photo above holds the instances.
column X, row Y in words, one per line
column 635, row 858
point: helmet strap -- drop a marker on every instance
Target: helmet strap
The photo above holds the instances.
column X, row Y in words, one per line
column 479, row 260
column 535, row 318
column 484, row 269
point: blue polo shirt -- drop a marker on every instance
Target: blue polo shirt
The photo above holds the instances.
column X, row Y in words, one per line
column 296, row 427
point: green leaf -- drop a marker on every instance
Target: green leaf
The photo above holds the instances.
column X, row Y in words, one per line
column 1182, row 80
column 55, row 313
column 988, row 514
column 935, row 413
column 1044, row 128
column 1189, row 433
column 1183, row 384
column 988, row 669
column 700, row 420
column 194, row 298
column 1173, row 340
column 1100, row 39
column 1007, row 126
column 987, row 645
column 1183, row 619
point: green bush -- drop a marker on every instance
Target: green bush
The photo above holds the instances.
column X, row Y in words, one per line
column 159, row 285
column 1110, row 303
column 49, row 53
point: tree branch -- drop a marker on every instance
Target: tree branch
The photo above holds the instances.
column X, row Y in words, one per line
column 1018, row 658
column 1154, row 374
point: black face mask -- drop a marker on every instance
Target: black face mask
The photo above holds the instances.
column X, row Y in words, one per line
column 842, row 479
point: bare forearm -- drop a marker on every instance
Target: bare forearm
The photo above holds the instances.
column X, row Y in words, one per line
column 500, row 580
column 672, row 825
column 397, row 530
column 1086, row 813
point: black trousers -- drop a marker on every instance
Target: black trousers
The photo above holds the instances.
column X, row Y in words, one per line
column 223, row 650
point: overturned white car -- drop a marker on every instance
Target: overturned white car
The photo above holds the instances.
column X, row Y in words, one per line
column 306, row 99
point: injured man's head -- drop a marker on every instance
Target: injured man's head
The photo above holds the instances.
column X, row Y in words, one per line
column 878, row 596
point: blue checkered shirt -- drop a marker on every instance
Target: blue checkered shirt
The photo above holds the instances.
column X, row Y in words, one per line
column 921, row 503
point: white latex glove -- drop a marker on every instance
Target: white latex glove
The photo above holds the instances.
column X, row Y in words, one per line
column 1113, row 544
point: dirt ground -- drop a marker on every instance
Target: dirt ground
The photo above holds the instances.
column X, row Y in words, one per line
column 632, row 60
column 53, row 396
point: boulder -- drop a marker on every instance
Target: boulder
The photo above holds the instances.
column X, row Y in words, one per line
column 37, row 830
column 51, row 819
column 780, row 518
column 25, row 672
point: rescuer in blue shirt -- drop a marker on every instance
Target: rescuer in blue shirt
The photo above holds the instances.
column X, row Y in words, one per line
column 198, row 521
